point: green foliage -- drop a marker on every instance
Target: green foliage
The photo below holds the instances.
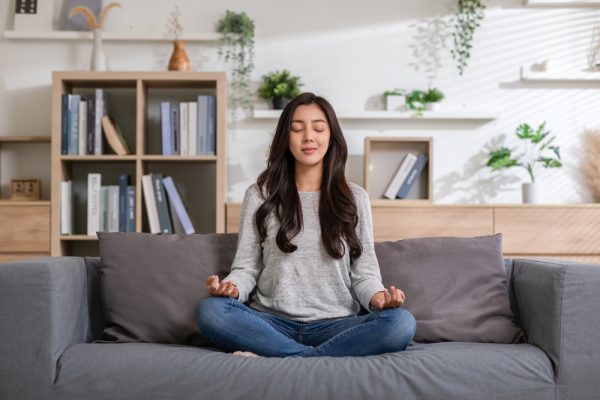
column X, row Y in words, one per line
column 540, row 150
column 394, row 92
column 237, row 47
column 417, row 99
column 467, row 19
column 279, row 84
column 433, row 95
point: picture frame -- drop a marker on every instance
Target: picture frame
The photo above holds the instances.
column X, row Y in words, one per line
column 25, row 189
column 34, row 15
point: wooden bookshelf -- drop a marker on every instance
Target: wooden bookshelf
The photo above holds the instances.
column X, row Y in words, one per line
column 383, row 156
column 134, row 101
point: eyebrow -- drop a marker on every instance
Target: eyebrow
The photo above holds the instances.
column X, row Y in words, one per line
column 314, row 120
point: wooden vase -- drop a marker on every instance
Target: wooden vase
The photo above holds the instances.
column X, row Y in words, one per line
column 179, row 60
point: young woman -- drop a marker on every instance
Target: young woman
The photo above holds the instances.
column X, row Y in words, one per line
column 306, row 244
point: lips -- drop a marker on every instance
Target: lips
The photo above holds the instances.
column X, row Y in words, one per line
column 309, row 150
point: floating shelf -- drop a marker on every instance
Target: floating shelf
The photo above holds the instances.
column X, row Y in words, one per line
column 562, row 3
column 111, row 36
column 565, row 77
column 392, row 115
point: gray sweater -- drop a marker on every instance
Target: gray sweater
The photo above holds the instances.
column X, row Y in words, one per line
column 308, row 284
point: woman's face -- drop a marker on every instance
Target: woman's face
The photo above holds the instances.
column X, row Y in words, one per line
column 309, row 135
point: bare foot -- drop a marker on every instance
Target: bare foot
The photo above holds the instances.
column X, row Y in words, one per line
column 245, row 354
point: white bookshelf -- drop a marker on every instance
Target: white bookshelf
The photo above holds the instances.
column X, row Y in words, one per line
column 111, row 36
column 392, row 115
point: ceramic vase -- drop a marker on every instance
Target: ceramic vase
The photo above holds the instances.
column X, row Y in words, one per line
column 98, row 59
column 179, row 60
column 532, row 193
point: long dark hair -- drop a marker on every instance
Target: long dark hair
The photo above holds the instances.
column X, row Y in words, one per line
column 338, row 213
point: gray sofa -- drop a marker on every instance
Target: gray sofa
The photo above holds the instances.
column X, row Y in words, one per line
column 50, row 314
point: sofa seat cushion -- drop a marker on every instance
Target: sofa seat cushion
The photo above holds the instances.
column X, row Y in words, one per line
column 427, row 371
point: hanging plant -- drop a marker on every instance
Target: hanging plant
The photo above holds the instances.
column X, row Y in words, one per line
column 468, row 16
column 237, row 47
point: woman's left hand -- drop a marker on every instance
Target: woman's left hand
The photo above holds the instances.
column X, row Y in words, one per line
column 391, row 298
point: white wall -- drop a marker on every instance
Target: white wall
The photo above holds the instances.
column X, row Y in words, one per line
column 349, row 52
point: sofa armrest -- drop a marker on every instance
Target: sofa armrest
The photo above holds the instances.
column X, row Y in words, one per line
column 43, row 309
column 559, row 305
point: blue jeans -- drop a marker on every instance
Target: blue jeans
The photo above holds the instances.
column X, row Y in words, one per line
column 232, row 326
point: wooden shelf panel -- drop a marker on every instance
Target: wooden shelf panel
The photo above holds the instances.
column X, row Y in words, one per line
column 24, row 139
column 78, row 237
column 112, row 36
column 99, row 158
column 32, row 203
column 392, row 115
column 178, row 158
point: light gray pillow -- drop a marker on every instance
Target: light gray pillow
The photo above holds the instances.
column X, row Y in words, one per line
column 455, row 287
column 150, row 284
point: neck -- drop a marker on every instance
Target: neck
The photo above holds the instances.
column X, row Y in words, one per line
column 308, row 178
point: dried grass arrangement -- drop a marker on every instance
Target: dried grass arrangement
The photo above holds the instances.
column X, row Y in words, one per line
column 90, row 17
column 591, row 161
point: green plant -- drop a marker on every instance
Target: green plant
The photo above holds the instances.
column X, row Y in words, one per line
column 394, row 92
column 467, row 18
column 417, row 99
column 538, row 150
column 433, row 95
column 237, row 46
column 279, row 84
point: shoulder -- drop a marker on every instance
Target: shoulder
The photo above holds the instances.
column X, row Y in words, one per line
column 360, row 194
column 253, row 195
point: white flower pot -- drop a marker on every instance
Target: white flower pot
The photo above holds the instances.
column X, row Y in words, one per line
column 395, row 103
column 532, row 193
column 98, row 59
column 432, row 106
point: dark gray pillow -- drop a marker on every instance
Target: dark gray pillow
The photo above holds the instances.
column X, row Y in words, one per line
column 150, row 284
column 455, row 287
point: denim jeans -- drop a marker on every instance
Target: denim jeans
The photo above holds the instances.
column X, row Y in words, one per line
column 231, row 326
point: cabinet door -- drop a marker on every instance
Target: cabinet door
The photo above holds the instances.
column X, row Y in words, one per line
column 25, row 229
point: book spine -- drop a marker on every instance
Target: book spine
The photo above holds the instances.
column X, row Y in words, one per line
column 74, row 101
column 400, row 176
column 193, row 128
column 103, row 208
column 130, row 209
column 161, row 204
column 93, row 206
column 175, row 129
column 183, row 129
column 83, row 127
column 113, row 209
column 91, row 117
column 123, row 185
column 412, row 177
column 150, row 202
column 177, row 204
column 98, row 122
column 165, row 124
column 212, row 127
column 114, row 137
column 202, row 124
column 66, row 208
column 64, row 124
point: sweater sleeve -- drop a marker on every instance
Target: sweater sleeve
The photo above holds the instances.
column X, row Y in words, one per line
column 247, row 263
column 364, row 271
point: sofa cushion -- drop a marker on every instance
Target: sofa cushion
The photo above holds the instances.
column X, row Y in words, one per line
column 455, row 287
column 151, row 284
column 466, row 371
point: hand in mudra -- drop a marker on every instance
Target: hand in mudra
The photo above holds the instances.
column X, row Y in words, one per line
column 387, row 299
column 224, row 289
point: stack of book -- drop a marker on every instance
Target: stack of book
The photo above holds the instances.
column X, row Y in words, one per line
column 165, row 209
column 189, row 128
column 109, row 208
column 407, row 174
column 82, row 122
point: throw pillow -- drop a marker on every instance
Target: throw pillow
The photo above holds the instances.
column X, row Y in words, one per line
column 455, row 287
column 150, row 284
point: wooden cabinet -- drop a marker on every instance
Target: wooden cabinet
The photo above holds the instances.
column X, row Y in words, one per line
column 25, row 230
column 529, row 231
column 134, row 101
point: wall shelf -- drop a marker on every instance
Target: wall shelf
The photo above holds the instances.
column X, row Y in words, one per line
column 111, row 36
column 392, row 115
column 574, row 77
column 562, row 3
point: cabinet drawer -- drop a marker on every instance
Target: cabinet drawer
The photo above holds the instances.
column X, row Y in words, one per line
column 25, row 229
column 395, row 223
column 552, row 230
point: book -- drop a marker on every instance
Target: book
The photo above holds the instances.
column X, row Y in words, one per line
column 165, row 127
column 103, row 208
column 183, row 129
column 202, row 124
column 161, row 204
column 130, row 208
column 74, row 100
column 114, row 137
column 123, row 187
column 150, row 202
column 401, row 174
column 412, row 176
column 175, row 145
column 83, row 125
column 193, row 128
column 93, row 203
column 177, row 205
column 66, row 208
column 212, row 127
column 100, row 111
column 112, row 211
column 64, row 123
column 91, row 121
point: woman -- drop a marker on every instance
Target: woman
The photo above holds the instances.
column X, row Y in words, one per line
column 306, row 244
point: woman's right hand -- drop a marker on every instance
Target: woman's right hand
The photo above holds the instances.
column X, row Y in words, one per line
column 224, row 289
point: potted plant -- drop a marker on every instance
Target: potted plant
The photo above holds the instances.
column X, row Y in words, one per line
column 432, row 98
column 237, row 46
column 395, row 99
column 179, row 60
column 539, row 150
column 415, row 100
column 279, row 87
